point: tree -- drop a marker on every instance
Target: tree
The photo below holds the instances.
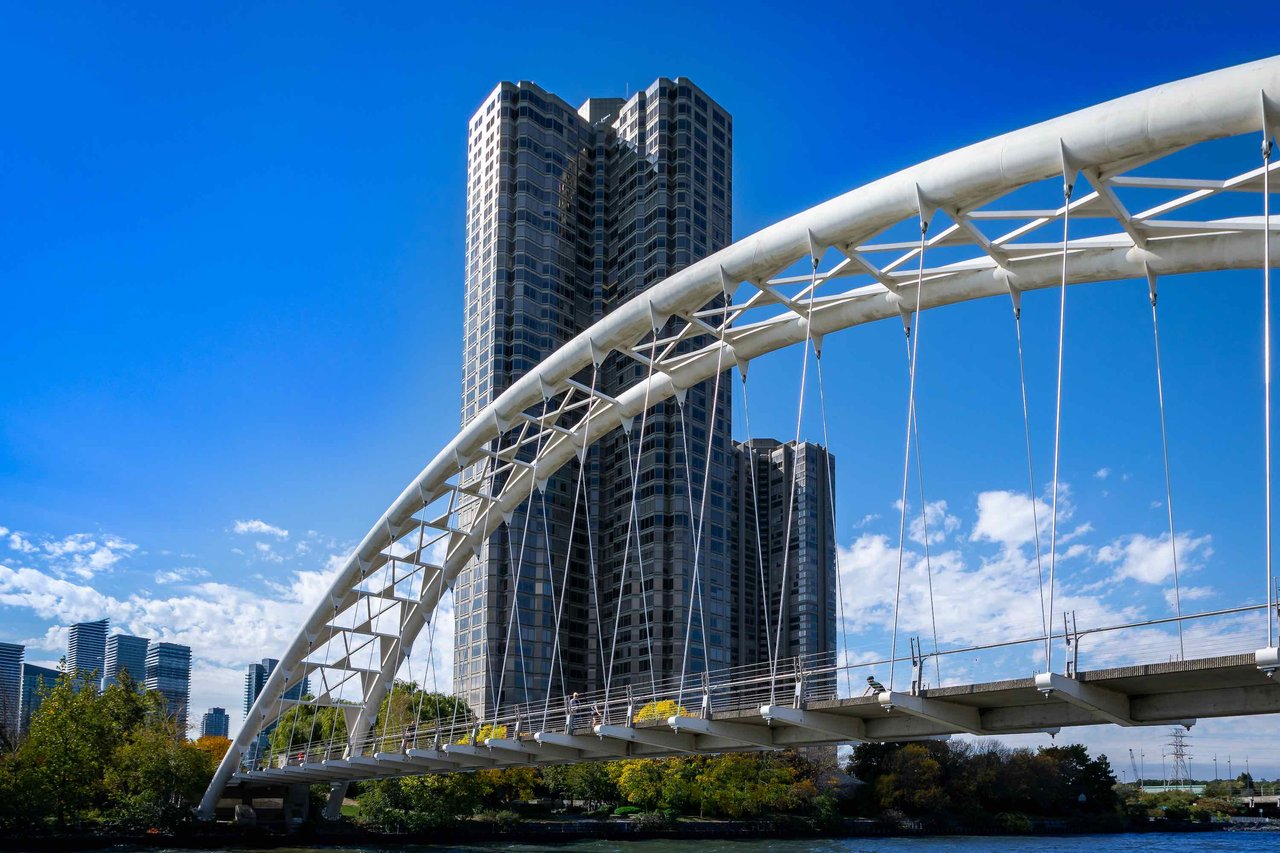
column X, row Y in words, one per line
column 1082, row 775
column 214, row 746
column 67, row 750
column 502, row 787
column 304, row 725
column 914, row 782
column 588, row 783
column 639, row 781
column 748, row 785
column 155, row 777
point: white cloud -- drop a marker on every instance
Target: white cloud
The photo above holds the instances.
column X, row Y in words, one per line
column 266, row 553
column 1150, row 559
column 936, row 520
column 1007, row 518
column 179, row 575
column 259, row 527
column 1102, row 473
column 81, row 554
column 1188, row 593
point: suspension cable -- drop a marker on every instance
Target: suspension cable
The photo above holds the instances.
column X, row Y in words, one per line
column 557, row 604
column 1266, row 311
column 755, row 503
column 591, row 550
column 698, row 575
column 431, row 625
column 906, row 456
column 1068, row 181
column 791, row 492
column 564, row 577
column 842, row 643
column 315, row 711
column 633, row 469
column 431, row 654
column 516, row 561
column 513, row 621
column 1016, row 297
column 924, row 505
column 1168, row 482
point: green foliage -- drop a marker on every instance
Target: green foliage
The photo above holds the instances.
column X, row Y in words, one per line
column 626, row 811
column 589, row 783
column 1013, row 823
column 650, row 820
column 509, row 785
column 960, row 781
column 306, row 724
column 639, row 781
column 155, row 777
column 746, row 785
column 114, row 756
column 1174, row 805
column 734, row 785
column 408, row 712
column 505, row 820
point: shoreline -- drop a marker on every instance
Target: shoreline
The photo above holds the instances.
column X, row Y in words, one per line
column 233, row 838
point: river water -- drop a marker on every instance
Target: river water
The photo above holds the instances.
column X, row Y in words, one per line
column 1241, row 842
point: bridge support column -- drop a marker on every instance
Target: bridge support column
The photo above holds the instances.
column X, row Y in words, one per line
column 337, row 793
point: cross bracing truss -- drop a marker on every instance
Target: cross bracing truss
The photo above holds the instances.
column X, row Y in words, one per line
column 849, row 261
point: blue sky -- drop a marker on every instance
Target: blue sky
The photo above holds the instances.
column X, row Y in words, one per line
column 232, row 272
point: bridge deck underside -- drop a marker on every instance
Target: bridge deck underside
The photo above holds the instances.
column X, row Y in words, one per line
column 1151, row 694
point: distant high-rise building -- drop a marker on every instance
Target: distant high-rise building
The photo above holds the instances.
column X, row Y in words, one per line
column 570, row 213
column 215, row 723
column 255, row 678
column 36, row 682
column 86, row 650
column 10, row 693
column 786, row 535
column 168, row 669
column 125, row 654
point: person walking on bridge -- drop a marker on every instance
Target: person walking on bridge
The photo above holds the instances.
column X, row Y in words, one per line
column 874, row 688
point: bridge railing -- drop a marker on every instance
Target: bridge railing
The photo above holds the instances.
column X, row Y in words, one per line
column 796, row 682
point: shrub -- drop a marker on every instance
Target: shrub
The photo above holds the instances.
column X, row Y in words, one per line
column 626, row 811
column 649, row 820
column 1014, row 823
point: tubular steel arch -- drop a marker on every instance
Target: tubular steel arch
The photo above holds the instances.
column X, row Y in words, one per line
column 389, row 587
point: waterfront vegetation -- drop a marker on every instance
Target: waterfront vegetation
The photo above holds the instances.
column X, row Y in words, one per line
column 111, row 760
column 114, row 762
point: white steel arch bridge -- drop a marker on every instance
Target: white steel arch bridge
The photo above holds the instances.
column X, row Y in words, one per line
column 820, row 272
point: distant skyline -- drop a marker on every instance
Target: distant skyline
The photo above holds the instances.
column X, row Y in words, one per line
column 234, row 275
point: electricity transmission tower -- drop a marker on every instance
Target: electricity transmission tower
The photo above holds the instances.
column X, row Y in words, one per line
column 1181, row 775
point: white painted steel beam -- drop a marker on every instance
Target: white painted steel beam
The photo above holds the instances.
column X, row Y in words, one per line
column 586, row 743
column 539, row 751
column 740, row 732
column 946, row 714
column 1108, row 705
column 847, row 728
column 649, row 737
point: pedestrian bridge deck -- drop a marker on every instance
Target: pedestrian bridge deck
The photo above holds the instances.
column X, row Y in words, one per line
column 1177, row 692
